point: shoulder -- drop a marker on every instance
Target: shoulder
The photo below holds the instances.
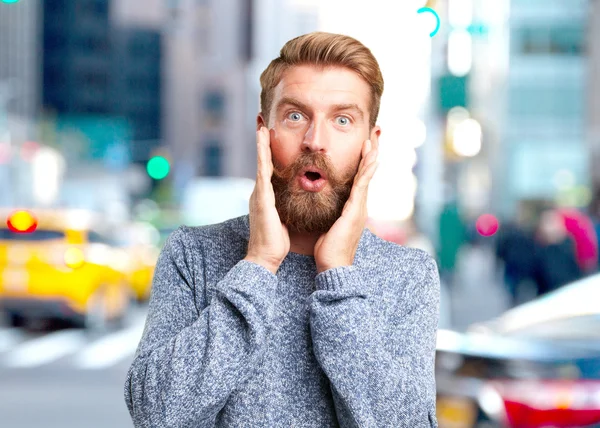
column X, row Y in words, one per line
column 398, row 257
column 414, row 268
column 198, row 237
column 199, row 246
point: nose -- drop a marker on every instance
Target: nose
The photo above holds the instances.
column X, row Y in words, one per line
column 315, row 139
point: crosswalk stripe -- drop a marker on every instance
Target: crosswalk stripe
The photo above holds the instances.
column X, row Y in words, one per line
column 109, row 350
column 45, row 349
column 9, row 338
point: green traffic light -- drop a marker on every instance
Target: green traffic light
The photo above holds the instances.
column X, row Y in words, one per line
column 10, row 1
column 158, row 167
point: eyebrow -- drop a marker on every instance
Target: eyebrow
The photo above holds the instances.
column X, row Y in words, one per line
column 302, row 106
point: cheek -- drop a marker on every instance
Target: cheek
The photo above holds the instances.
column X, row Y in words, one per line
column 284, row 148
column 350, row 159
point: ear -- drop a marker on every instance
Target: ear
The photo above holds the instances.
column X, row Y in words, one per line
column 260, row 122
column 374, row 137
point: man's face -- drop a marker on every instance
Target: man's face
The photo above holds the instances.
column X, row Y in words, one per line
column 318, row 123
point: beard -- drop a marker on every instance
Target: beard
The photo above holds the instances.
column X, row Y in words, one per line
column 310, row 212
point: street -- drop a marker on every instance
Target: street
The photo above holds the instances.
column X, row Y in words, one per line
column 67, row 378
column 477, row 293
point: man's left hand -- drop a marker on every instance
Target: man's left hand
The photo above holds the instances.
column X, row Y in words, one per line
column 338, row 246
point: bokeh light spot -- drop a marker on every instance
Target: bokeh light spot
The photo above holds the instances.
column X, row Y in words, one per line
column 158, row 167
column 28, row 150
column 487, row 225
column 22, row 222
column 74, row 258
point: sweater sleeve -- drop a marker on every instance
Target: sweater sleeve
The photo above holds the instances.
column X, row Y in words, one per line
column 190, row 358
column 381, row 366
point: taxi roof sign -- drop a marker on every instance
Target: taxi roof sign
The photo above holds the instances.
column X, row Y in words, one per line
column 22, row 221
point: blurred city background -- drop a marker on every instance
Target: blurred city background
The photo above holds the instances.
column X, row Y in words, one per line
column 121, row 120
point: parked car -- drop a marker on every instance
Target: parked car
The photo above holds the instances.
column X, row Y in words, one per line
column 140, row 242
column 60, row 264
column 537, row 365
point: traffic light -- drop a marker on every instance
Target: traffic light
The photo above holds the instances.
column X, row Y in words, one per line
column 10, row 1
column 158, row 167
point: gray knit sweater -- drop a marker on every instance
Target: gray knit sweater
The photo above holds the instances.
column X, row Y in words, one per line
column 229, row 344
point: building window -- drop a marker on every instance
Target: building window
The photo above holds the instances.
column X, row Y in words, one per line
column 568, row 40
column 93, row 44
column 137, row 48
column 94, row 80
column 94, row 108
column 563, row 39
column 54, row 77
column 213, row 159
column 214, row 104
column 55, row 41
column 555, row 100
column 92, row 8
column 247, row 30
column 55, row 6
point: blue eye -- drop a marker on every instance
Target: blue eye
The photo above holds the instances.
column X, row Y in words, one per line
column 295, row 116
column 343, row 120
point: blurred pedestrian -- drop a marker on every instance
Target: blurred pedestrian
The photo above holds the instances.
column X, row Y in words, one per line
column 555, row 259
column 515, row 247
column 452, row 236
column 581, row 229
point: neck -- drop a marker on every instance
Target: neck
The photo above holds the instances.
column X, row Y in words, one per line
column 303, row 243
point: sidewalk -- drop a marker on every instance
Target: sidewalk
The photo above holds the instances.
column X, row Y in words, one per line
column 477, row 293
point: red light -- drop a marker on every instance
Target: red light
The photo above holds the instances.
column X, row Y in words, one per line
column 556, row 403
column 487, row 225
column 22, row 222
column 28, row 150
column 4, row 153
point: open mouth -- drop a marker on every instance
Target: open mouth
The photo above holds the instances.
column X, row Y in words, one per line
column 312, row 176
column 312, row 180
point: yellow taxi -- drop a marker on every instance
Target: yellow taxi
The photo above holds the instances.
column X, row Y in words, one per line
column 59, row 264
column 139, row 240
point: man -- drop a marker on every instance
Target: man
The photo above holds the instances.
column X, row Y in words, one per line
column 295, row 315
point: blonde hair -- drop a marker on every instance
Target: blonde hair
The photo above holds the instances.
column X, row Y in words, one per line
column 323, row 50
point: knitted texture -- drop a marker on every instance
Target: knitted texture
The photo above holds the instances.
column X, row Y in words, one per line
column 228, row 344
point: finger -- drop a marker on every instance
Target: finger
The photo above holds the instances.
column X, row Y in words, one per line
column 259, row 154
column 365, row 180
column 368, row 160
column 360, row 188
column 264, row 156
column 366, row 148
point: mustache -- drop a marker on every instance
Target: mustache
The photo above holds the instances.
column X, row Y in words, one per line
column 315, row 160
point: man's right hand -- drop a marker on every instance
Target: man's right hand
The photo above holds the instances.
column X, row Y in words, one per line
column 269, row 238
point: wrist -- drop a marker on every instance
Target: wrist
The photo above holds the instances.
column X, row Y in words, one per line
column 328, row 266
column 271, row 267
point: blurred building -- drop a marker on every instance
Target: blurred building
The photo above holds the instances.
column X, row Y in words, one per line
column 20, row 58
column 593, row 100
column 101, row 82
column 207, row 51
column 519, row 69
column 76, row 57
column 137, row 84
column 20, row 83
column 544, row 133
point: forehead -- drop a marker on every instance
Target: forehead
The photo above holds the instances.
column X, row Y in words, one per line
column 323, row 87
